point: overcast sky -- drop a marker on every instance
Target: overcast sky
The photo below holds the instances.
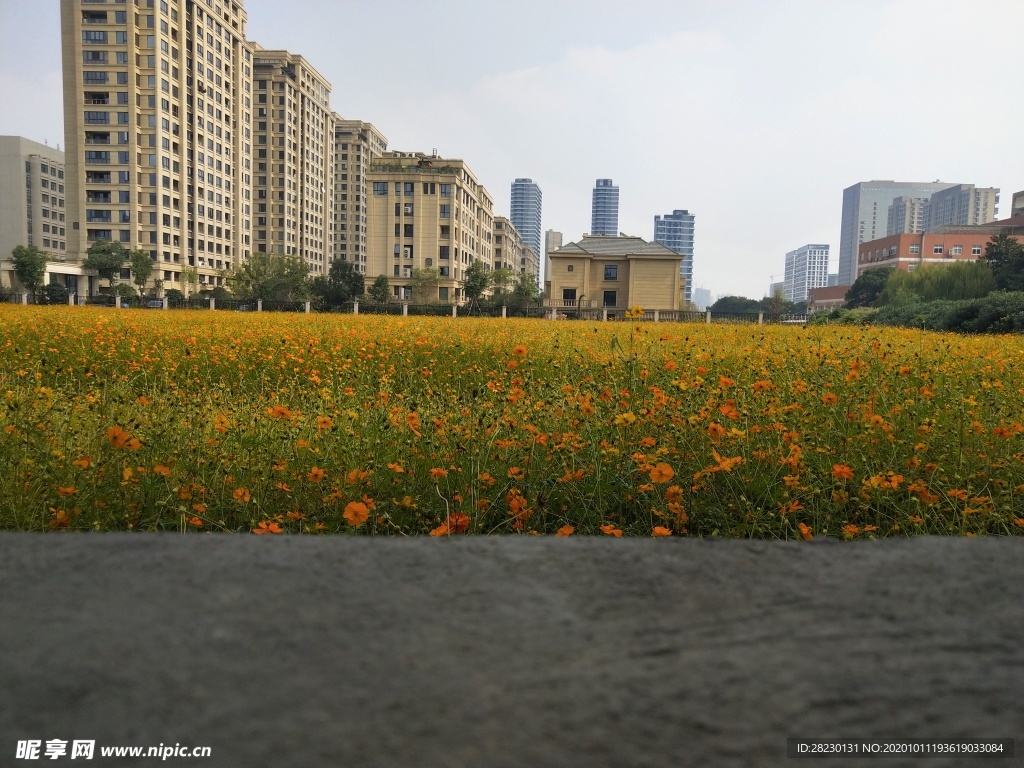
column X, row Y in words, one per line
column 752, row 114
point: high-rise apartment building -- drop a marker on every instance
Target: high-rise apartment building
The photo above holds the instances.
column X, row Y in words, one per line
column 293, row 158
column 529, row 263
column 158, row 122
column 34, row 211
column 676, row 231
column 906, row 215
column 426, row 211
column 507, row 245
column 866, row 215
column 526, row 208
column 962, row 205
column 604, row 216
column 356, row 145
column 702, row 298
column 806, row 268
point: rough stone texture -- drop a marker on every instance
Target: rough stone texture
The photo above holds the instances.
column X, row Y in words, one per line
column 302, row 651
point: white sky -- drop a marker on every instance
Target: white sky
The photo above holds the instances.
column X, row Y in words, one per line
column 752, row 114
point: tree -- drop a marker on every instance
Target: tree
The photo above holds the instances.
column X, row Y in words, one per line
column 524, row 292
column 778, row 304
column 475, row 281
column 1005, row 256
column 342, row 284
column 106, row 257
column 190, row 279
column 867, row 288
column 29, row 266
column 141, row 267
column 735, row 304
column 502, row 279
column 425, row 283
column 957, row 281
column 54, row 293
column 380, row 291
column 271, row 277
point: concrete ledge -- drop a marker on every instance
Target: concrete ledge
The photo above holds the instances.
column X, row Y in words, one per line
column 303, row 651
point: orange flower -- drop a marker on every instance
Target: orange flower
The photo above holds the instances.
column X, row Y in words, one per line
column 1019, row 522
column 295, row 516
column 283, row 487
column 761, row 386
column 117, row 437
column 436, row 473
column 829, row 399
column 200, row 508
column 241, row 495
column 356, row 476
column 267, row 526
column 83, row 463
column 611, row 530
column 716, row 431
column 413, row 420
column 956, row 493
column 725, row 381
column 660, row 530
column 396, row 468
column 519, row 350
column 279, row 412
column 662, row 473
column 568, row 530
column 441, row 530
column 324, row 423
column 458, row 522
column 516, row 473
column 851, row 530
column 805, row 532
column 160, row 469
column 316, row 475
column 143, row 400
column 69, row 491
column 280, row 466
column 195, row 521
column 487, row 478
column 842, row 471
column 356, row 513
column 674, row 493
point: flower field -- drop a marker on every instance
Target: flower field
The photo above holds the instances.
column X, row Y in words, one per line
column 307, row 424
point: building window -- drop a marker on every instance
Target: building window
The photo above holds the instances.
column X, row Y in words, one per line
column 443, row 271
column 956, row 250
column 976, row 250
column 443, row 252
column 442, row 293
column 937, row 249
column 611, row 272
column 446, row 211
column 915, row 249
column 446, row 190
column 380, row 187
column 609, row 299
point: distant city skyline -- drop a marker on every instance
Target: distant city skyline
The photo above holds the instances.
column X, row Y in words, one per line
column 771, row 128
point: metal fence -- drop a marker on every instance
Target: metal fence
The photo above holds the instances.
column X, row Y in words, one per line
column 603, row 314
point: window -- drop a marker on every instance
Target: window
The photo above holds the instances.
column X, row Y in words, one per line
column 380, row 187
column 956, row 250
column 409, row 189
column 569, row 296
column 94, row 78
column 611, row 272
column 569, row 268
column 446, row 211
column 97, row 117
column 443, row 252
column 608, row 299
column 407, row 230
column 446, row 190
column 444, row 271
column 94, row 57
column 442, row 293
column 937, row 249
column 915, row 249
column 94, row 37
column 976, row 250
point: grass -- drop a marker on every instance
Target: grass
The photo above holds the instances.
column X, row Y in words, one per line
column 306, row 424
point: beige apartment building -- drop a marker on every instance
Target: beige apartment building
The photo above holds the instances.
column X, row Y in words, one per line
column 293, row 158
column 615, row 272
column 529, row 263
column 426, row 212
column 507, row 244
column 356, row 145
column 34, row 211
column 158, row 131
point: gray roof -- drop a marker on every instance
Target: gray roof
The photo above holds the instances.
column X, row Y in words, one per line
column 610, row 245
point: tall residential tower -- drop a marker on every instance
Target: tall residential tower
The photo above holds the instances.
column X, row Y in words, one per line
column 675, row 230
column 526, row 211
column 604, row 216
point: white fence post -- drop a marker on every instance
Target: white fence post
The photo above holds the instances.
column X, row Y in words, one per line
column 71, row 299
column 307, row 307
column 760, row 318
column 405, row 309
column 24, row 298
column 656, row 315
column 504, row 312
column 604, row 314
column 707, row 317
column 165, row 302
column 213, row 303
column 355, row 307
column 259, row 305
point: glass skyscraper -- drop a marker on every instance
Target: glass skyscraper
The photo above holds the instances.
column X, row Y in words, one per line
column 604, row 218
column 675, row 231
column 526, row 212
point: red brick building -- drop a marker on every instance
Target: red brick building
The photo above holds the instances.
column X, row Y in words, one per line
column 829, row 297
column 908, row 252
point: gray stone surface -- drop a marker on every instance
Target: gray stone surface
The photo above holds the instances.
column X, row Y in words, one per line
column 302, row 651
